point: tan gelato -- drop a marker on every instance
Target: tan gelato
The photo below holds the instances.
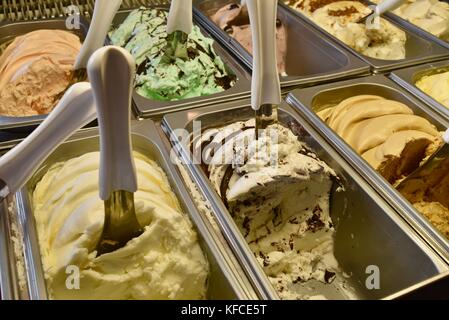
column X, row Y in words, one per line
column 430, row 15
column 339, row 18
column 384, row 132
column 165, row 262
column 234, row 19
column 436, row 86
column 429, row 193
column 35, row 69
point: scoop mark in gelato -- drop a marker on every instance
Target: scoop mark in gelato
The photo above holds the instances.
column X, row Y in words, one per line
column 165, row 262
column 283, row 210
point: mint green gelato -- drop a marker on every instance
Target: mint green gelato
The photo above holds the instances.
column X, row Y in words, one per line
column 144, row 35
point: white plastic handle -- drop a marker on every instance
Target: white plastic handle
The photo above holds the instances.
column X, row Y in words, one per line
column 446, row 136
column 111, row 71
column 104, row 13
column 266, row 87
column 180, row 16
column 388, row 5
column 74, row 110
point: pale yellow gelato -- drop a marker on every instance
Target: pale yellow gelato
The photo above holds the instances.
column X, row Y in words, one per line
column 384, row 132
column 339, row 18
column 430, row 15
column 165, row 262
column 436, row 86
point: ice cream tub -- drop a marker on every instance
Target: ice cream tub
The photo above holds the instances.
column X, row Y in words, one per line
column 309, row 58
column 415, row 28
column 225, row 281
column 367, row 230
column 408, row 78
column 145, row 107
column 8, row 32
column 309, row 101
column 418, row 50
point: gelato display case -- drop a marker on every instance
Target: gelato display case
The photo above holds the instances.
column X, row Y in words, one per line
column 311, row 218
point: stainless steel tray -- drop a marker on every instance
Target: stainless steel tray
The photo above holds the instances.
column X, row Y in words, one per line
column 368, row 231
column 307, row 101
column 151, row 108
column 417, row 49
column 311, row 59
column 414, row 28
column 225, row 280
column 409, row 76
column 9, row 31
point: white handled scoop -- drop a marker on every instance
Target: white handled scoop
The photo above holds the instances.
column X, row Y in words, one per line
column 104, row 13
column 266, row 89
column 75, row 110
column 179, row 26
column 381, row 8
column 111, row 71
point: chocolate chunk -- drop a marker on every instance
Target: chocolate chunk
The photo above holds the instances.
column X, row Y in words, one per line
column 329, row 276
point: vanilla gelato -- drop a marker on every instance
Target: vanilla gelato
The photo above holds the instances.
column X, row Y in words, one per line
column 436, row 86
column 279, row 199
column 386, row 133
column 430, row 15
column 35, row 69
column 165, row 262
column 339, row 18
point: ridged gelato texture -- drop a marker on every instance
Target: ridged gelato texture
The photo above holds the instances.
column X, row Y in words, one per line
column 339, row 18
column 35, row 69
column 279, row 199
column 144, row 35
column 234, row 19
column 436, row 86
column 165, row 262
column 386, row 133
column 430, row 15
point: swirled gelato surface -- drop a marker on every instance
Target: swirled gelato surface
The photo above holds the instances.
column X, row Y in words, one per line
column 386, row 133
column 339, row 18
column 35, row 69
column 144, row 35
column 277, row 191
column 165, row 262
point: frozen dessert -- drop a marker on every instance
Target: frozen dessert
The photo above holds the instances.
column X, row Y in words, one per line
column 35, row 69
column 279, row 199
column 339, row 18
column 436, row 86
column 386, row 133
column 429, row 193
column 430, row 15
column 165, row 262
column 144, row 35
column 234, row 19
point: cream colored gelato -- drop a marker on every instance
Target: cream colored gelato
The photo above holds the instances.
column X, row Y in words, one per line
column 34, row 70
column 436, row 86
column 165, row 262
column 279, row 199
column 430, row 15
column 339, row 18
column 384, row 132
